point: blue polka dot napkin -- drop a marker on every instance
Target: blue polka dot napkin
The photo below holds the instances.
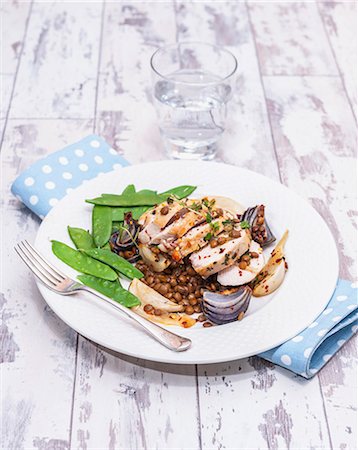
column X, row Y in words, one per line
column 308, row 352
column 43, row 184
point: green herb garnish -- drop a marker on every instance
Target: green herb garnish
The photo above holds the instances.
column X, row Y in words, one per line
column 196, row 206
column 215, row 226
column 244, row 224
column 209, row 217
column 208, row 237
column 227, row 222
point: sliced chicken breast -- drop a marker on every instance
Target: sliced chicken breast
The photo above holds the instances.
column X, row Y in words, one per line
column 180, row 223
column 154, row 221
column 194, row 239
column 234, row 276
column 209, row 261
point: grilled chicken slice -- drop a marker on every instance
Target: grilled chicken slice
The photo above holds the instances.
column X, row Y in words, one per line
column 194, row 239
column 179, row 224
column 209, row 261
column 154, row 221
column 234, row 276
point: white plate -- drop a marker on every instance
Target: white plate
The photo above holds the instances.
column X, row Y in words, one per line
column 309, row 283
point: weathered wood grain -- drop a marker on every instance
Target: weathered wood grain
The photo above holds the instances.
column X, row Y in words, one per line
column 38, row 349
column 14, row 15
column 38, row 352
column 315, row 138
column 258, row 405
column 126, row 403
column 121, row 402
column 340, row 21
column 226, row 24
column 58, row 70
column 126, row 116
column 6, row 83
column 337, row 380
column 28, row 140
column 290, row 39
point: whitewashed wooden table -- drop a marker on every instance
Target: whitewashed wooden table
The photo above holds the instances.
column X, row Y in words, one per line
column 69, row 69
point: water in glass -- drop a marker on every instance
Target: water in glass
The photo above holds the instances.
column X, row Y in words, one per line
column 191, row 105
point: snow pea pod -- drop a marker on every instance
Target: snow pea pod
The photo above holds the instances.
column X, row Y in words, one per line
column 111, row 289
column 118, row 212
column 115, row 261
column 80, row 237
column 130, row 189
column 179, row 191
column 134, row 199
column 82, row 262
column 101, row 225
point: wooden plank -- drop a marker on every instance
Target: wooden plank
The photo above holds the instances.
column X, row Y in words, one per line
column 290, row 39
column 338, row 380
column 6, row 83
column 28, row 140
column 58, row 71
column 314, row 132
column 126, row 117
column 14, row 16
column 253, row 404
column 126, row 403
column 250, row 403
column 340, row 21
column 38, row 358
column 248, row 133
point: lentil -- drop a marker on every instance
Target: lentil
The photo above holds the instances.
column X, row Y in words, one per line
column 207, row 324
column 242, row 265
column 235, row 233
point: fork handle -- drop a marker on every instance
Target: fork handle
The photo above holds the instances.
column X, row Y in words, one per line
column 167, row 338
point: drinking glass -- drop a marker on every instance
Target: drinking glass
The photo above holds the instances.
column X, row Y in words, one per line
column 193, row 82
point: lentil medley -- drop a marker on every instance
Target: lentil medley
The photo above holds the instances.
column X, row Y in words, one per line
column 180, row 284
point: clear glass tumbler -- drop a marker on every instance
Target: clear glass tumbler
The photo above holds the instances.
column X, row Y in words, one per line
column 193, row 82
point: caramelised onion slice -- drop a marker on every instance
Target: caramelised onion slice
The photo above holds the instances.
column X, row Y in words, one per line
column 273, row 273
column 124, row 239
column 221, row 308
column 260, row 231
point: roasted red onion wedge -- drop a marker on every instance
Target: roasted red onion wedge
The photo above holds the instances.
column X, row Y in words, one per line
column 259, row 228
column 124, row 240
column 221, row 308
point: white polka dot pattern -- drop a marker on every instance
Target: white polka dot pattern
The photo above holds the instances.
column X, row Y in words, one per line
column 64, row 170
column 46, row 168
column 34, row 199
column 309, row 351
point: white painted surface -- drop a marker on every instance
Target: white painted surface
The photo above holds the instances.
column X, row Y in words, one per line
column 59, row 393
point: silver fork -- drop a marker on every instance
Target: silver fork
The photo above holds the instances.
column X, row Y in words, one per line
column 55, row 280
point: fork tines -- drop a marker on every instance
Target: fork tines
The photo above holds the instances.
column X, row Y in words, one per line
column 41, row 268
